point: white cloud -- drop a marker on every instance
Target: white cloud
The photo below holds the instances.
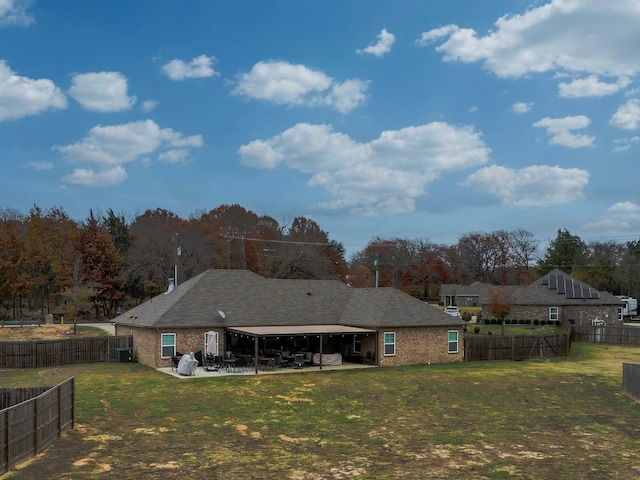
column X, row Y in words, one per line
column 627, row 117
column 620, row 215
column 382, row 46
column 521, row 107
column 101, row 91
column 591, row 87
column 632, row 92
column 627, row 140
column 112, row 146
column 388, row 173
column 558, row 35
column 283, row 83
column 538, row 185
column 22, row 96
column 348, row 95
column 180, row 155
column 559, row 129
column 91, row 178
column 40, row 165
column 198, row 67
column 14, row 12
column 621, row 148
column 607, row 224
column 149, row 105
column 624, row 144
column 625, row 208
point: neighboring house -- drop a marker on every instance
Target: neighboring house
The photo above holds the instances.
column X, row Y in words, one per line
column 252, row 314
column 556, row 296
column 461, row 295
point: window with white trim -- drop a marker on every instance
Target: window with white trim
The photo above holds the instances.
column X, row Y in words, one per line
column 389, row 344
column 553, row 314
column 168, row 345
column 453, row 341
column 357, row 344
column 214, row 342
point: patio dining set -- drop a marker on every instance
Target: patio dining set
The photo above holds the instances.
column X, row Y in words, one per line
column 234, row 363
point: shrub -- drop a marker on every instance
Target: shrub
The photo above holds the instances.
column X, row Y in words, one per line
column 487, row 321
column 543, row 322
column 527, row 321
column 521, row 321
column 535, row 322
column 494, row 321
column 507, row 321
column 476, row 329
column 466, row 316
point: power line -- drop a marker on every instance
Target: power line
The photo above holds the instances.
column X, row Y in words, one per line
column 289, row 241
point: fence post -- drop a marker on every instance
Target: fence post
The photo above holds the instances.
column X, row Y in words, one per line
column 35, row 425
column 59, row 411
column 6, row 439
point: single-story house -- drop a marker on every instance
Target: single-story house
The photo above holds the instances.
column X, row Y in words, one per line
column 554, row 296
column 253, row 315
column 462, row 295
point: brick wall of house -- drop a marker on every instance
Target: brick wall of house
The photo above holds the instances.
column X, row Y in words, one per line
column 420, row 345
column 146, row 344
column 147, row 348
column 582, row 314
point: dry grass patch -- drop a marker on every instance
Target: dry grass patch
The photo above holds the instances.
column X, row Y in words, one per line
column 558, row 419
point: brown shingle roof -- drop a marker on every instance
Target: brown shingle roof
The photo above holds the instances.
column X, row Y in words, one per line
column 248, row 299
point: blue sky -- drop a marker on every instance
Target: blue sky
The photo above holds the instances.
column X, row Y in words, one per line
column 412, row 119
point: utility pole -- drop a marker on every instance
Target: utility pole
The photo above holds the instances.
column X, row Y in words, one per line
column 231, row 234
column 376, row 262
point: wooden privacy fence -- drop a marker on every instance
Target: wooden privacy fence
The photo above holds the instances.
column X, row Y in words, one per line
column 631, row 380
column 47, row 353
column 30, row 426
column 514, row 347
column 625, row 335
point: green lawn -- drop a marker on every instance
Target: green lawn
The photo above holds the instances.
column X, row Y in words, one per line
column 561, row 419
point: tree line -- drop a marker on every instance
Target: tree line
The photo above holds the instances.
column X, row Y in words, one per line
column 50, row 263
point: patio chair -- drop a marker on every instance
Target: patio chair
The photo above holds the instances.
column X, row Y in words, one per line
column 175, row 359
column 270, row 364
column 198, row 356
column 280, row 361
column 298, row 360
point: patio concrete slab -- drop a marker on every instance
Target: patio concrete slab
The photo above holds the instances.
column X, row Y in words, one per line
column 202, row 373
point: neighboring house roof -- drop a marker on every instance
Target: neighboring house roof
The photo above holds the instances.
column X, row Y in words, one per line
column 555, row 289
column 473, row 290
column 247, row 299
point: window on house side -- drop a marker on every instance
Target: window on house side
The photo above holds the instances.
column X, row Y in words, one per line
column 553, row 313
column 453, row 341
column 389, row 344
column 168, row 342
column 620, row 313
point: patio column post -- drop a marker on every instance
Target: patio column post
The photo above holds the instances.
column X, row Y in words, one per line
column 320, row 337
column 255, row 353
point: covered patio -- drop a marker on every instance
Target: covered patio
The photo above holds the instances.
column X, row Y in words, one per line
column 297, row 338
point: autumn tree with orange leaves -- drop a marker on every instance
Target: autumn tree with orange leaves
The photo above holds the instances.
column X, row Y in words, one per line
column 500, row 303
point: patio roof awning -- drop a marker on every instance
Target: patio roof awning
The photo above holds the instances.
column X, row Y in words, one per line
column 299, row 330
